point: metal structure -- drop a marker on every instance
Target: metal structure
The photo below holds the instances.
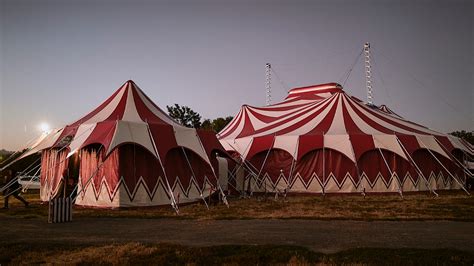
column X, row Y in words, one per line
column 268, row 82
column 368, row 73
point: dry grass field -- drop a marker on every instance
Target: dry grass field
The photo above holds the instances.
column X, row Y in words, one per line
column 171, row 254
column 450, row 205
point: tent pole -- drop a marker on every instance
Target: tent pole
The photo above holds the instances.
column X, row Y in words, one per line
column 455, row 179
column 293, row 163
column 13, row 180
column 240, row 166
column 90, row 178
column 87, row 182
column 248, row 164
column 23, row 150
column 192, row 171
column 22, row 172
column 290, row 176
column 232, row 178
column 360, row 177
column 357, row 168
column 391, row 174
column 173, row 202
column 31, row 180
column 257, row 176
column 263, row 165
column 412, row 161
column 324, row 170
column 28, row 168
column 455, row 159
column 224, row 198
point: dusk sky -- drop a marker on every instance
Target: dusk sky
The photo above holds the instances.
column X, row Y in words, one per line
column 61, row 59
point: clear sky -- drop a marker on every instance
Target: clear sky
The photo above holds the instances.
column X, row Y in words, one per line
column 60, row 59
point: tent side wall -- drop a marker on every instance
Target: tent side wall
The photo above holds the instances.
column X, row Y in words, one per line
column 131, row 176
column 332, row 172
column 53, row 166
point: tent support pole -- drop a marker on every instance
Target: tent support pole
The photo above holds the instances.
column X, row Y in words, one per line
column 232, row 178
column 252, row 169
column 417, row 168
column 6, row 186
column 324, row 171
column 173, row 202
column 31, row 180
column 21, row 173
column 194, row 175
column 455, row 179
column 263, row 165
column 224, row 198
column 21, row 152
column 358, row 170
column 242, row 193
column 465, row 170
column 293, row 163
column 87, row 182
column 94, row 173
column 391, row 174
column 363, row 193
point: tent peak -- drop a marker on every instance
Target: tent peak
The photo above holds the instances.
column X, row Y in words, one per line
column 130, row 81
column 330, row 84
column 319, row 91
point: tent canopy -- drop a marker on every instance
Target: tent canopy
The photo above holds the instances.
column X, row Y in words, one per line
column 324, row 115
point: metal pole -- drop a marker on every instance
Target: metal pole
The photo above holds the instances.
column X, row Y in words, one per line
column 368, row 73
column 268, row 82
column 449, row 173
column 417, row 168
column 392, row 176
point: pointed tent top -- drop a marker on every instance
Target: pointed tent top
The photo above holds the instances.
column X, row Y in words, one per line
column 128, row 103
column 320, row 91
column 387, row 110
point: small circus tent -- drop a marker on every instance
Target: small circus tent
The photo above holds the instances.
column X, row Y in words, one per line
column 320, row 139
column 130, row 153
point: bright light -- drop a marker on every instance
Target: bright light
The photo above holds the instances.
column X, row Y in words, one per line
column 44, row 127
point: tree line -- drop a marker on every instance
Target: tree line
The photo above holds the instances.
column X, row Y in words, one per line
column 190, row 118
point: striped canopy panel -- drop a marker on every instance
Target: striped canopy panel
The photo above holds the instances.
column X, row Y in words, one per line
column 131, row 135
column 320, row 139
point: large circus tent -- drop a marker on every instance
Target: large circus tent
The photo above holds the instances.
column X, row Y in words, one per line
column 322, row 140
column 128, row 152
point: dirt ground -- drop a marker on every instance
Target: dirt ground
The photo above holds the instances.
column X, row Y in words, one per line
column 320, row 236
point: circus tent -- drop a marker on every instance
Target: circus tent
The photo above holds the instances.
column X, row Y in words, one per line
column 320, row 139
column 130, row 153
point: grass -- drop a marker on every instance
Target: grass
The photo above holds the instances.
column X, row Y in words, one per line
column 450, row 205
column 170, row 254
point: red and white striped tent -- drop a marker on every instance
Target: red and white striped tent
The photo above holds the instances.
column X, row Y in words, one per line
column 130, row 153
column 320, row 139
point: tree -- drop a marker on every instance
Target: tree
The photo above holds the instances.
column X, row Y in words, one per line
column 189, row 118
column 465, row 135
column 219, row 123
column 206, row 124
column 4, row 155
column 184, row 115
